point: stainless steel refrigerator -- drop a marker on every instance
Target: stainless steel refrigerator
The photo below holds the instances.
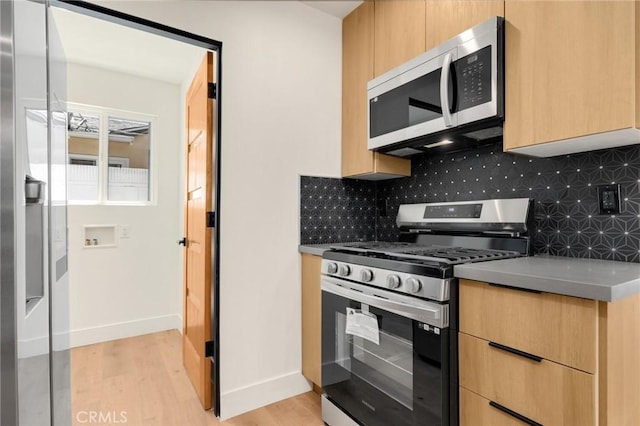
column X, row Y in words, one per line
column 34, row 284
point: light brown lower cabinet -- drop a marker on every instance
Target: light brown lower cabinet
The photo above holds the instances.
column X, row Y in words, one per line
column 558, row 328
column 475, row 410
column 542, row 390
column 554, row 360
column 311, row 318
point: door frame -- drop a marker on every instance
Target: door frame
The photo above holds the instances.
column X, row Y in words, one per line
column 162, row 30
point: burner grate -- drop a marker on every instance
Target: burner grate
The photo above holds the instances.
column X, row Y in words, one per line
column 411, row 251
column 455, row 255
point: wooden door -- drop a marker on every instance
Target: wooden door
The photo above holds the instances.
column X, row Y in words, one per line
column 197, row 261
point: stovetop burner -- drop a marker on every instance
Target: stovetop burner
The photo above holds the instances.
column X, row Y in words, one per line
column 442, row 254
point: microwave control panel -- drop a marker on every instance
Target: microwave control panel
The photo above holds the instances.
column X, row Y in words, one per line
column 473, row 74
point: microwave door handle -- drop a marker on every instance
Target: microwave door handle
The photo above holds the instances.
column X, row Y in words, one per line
column 444, row 89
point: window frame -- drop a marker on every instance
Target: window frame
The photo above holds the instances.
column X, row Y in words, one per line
column 120, row 161
column 103, row 159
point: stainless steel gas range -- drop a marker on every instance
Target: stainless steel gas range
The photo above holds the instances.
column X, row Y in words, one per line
column 389, row 311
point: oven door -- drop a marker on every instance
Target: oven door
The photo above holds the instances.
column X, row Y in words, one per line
column 384, row 355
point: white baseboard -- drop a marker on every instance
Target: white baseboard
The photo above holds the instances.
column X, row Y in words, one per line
column 258, row 395
column 121, row 330
column 33, row 347
column 40, row 345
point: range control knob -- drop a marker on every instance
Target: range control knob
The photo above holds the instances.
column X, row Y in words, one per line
column 344, row 270
column 332, row 267
column 366, row 275
column 413, row 285
column 393, row 281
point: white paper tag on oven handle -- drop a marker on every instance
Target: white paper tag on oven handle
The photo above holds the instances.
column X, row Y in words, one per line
column 363, row 325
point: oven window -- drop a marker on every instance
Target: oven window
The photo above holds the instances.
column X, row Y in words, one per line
column 415, row 102
column 387, row 366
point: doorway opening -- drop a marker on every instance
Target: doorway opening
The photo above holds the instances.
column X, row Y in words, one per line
column 129, row 190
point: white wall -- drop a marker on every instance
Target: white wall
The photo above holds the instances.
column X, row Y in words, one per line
column 134, row 288
column 281, row 118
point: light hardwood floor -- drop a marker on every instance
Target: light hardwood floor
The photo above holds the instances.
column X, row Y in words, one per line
column 142, row 380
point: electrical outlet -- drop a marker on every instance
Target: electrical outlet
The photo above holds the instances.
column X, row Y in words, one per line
column 609, row 199
column 125, row 231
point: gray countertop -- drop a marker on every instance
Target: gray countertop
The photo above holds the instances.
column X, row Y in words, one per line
column 315, row 249
column 587, row 278
column 319, row 249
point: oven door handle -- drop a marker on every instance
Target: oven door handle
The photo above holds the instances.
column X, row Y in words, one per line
column 417, row 309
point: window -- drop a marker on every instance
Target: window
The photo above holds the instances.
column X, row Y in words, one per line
column 109, row 156
column 92, row 160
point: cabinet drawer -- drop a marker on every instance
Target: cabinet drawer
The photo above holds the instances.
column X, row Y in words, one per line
column 476, row 411
column 543, row 391
column 554, row 327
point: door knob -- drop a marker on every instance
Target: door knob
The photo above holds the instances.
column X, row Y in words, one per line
column 183, row 241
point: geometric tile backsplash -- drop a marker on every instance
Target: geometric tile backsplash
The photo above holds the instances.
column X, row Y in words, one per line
column 336, row 210
column 567, row 218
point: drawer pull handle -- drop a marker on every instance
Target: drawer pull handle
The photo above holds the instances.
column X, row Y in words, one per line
column 512, row 413
column 510, row 287
column 516, row 352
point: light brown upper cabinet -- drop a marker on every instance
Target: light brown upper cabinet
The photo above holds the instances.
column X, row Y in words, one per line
column 399, row 32
column 448, row 18
column 637, row 64
column 357, row 70
column 571, row 80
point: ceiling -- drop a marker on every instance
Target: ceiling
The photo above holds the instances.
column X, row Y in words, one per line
column 95, row 42
column 337, row 8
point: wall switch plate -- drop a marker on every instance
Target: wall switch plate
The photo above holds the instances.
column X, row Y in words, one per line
column 125, row 231
column 609, row 199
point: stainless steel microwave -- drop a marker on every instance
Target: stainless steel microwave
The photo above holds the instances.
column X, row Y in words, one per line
column 445, row 99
